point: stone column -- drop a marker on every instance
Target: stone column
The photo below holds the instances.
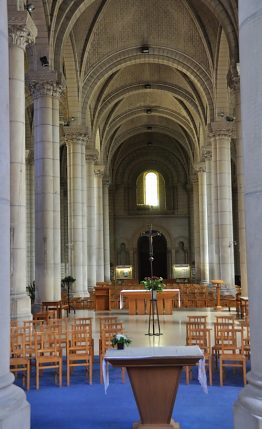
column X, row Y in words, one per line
column 76, row 140
column 22, row 32
column 204, row 265
column 91, row 157
column 56, row 194
column 47, row 192
column 196, row 226
column 14, row 409
column 214, row 196
column 30, row 212
column 84, row 217
column 248, row 408
column 106, row 230
column 224, row 204
column 207, row 156
column 235, row 87
column 99, row 172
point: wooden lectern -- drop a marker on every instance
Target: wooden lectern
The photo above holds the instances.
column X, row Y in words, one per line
column 154, row 374
column 102, row 298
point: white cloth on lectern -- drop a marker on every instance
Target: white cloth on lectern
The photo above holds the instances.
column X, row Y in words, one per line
column 202, row 377
column 105, row 375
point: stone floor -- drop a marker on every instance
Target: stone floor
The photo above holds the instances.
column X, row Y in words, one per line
column 136, row 327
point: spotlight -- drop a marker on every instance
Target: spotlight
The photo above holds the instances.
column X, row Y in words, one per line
column 149, row 128
column 148, row 111
column 230, row 118
column 147, row 86
column 149, row 143
column 29, row 7
column 44, row 61
column 144, row 50
column 221, row 114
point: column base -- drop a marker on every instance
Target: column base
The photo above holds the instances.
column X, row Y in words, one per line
column 21, row 307
column 14, row 408
column 248, row 407
column 171, row 425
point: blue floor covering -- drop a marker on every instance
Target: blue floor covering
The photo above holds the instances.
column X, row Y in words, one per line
column 84, row 406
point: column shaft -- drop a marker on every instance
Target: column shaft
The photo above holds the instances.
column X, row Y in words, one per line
column 196, row 227
column 84, row 214
column 19, row 37
column 106, row 232
column 99, row 171
column 91, row 157
column 14, row 409
column 204, row 265
column 248, row 408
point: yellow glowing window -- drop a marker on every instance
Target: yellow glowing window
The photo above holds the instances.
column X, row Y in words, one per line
column 151, row 189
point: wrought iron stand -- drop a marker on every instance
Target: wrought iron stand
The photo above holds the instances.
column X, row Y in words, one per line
column 153, row 319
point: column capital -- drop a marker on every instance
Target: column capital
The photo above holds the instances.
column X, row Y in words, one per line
column 233, row 78
column 22, row 30
column 45, row 83
column 221, row 129
column 206, row 153
column 200, row 167
column 91, row 154
column 76, row 135
column 194, row 178
column 99, row 170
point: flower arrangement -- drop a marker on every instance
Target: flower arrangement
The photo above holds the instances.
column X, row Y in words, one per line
column 120, row 339
column 153, row 283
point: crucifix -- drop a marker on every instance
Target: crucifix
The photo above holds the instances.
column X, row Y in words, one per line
column 153, row 311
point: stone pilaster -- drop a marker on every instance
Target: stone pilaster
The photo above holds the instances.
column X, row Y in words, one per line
column 248, row 408
column 223, row 203
column 30, row 212
column 106, row 230
column 235, row 88
column 76, row 140
column 91, row 157
column 47, row 191
column 22, row 32
column 99, row 172
column 203, row 228
column 14, row 409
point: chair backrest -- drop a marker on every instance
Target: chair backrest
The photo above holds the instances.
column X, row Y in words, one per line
column 225, row 336
column 107, row 333
column 193, row 327
column 225, row 319
column 201, row 338
column 199, row 319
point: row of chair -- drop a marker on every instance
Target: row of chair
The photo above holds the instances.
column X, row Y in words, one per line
column 44, row 345
column 226, row 347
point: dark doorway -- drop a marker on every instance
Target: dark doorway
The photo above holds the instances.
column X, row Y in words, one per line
column 159, row 254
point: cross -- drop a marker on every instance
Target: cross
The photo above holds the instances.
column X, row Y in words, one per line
column 150, row 234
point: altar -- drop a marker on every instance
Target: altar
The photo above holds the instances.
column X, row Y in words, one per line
column 139, row 300
column 154, row 374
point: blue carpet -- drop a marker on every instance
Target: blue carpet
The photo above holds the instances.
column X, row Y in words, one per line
column 82, row 406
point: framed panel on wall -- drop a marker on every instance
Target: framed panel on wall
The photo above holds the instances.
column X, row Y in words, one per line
column 124, row 272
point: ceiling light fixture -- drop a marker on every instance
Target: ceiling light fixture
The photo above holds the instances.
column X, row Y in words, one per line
column 29, row 7
column 149, row 128
column 149, row 111
column 147, row 86
column 145, row 49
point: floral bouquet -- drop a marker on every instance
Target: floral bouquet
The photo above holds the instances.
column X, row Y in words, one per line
column 120, row 340
column 153, row 283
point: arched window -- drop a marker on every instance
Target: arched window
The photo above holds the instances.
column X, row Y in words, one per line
column 150, row 190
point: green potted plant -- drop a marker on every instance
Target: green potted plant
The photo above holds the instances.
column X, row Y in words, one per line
column 120, row 340
column 30, row 288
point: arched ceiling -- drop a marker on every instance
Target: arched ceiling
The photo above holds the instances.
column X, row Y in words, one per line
column 127, row 95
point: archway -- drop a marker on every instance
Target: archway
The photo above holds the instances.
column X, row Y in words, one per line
column 159, row 253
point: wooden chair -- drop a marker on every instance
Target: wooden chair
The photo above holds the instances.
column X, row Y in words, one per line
column 198, row 319
column 201, row 338
column 107, row 332
column 79, row 352
column 219, row 328
column 194, row 327
column 225, row 319
column 245, row 336
column 48, row 354
column 230, row 355
column 19, row 362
